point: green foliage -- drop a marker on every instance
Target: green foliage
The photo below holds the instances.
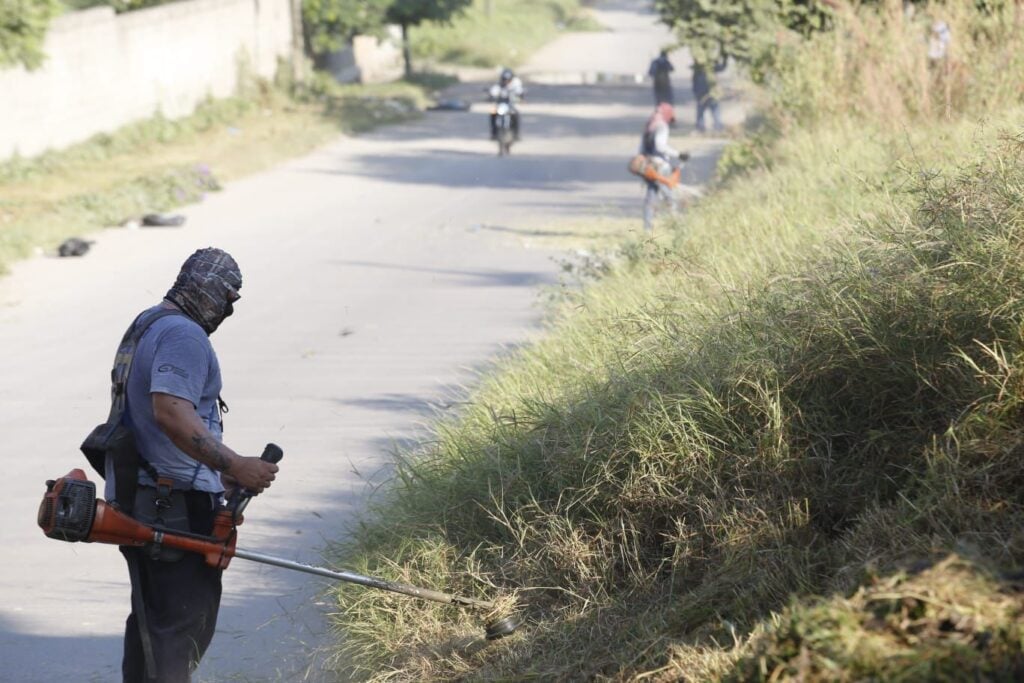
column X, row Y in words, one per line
column 160, row 163
column 504, row 36
column 747, row 30
column 84, row 4
column 118, row 5
column 330, row 24
column 23, row 26
column 129, row 5
column 415, row 12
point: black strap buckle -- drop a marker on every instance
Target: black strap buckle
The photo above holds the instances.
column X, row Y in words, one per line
column 164, row 486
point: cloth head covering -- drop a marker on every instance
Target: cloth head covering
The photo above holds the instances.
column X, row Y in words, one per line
column 664, row 113
column 206, row 287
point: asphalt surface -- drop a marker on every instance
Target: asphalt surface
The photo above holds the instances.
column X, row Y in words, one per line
column 382, row 274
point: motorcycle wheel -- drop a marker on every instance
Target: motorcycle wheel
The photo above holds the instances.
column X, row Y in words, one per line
column 504, row 143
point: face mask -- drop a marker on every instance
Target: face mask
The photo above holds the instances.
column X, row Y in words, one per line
column 207, row 287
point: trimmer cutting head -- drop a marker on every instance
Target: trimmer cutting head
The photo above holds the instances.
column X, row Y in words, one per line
column 499, row 628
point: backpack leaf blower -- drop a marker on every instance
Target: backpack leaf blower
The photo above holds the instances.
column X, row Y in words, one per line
column 70, row 511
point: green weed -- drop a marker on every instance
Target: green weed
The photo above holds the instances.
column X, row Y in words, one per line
column 509, row 34
column 161, row 163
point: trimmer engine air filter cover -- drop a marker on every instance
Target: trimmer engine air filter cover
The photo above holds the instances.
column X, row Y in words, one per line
column 68, row 509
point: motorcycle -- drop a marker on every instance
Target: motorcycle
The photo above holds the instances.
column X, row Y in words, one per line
column 504, row 115
column 504, row 132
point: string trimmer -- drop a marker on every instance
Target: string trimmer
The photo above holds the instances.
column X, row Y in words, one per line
column 71, row 512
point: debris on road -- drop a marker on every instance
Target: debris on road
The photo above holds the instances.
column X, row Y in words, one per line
column 450, row 105
column 163, row 220
column 74, row 246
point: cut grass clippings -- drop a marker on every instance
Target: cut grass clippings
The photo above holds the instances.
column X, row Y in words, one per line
column 953, row 621
column 158, row 164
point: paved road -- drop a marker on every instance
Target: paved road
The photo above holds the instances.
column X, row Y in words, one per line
column 379, row 277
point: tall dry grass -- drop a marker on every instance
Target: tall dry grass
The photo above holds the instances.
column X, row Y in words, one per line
column 875, row 64
column 729, row 454
column 734, row 448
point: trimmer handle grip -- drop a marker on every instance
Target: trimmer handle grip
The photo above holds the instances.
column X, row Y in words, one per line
column 272, row 453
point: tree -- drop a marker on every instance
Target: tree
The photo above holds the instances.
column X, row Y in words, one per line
column 330, row 24
column 409, row 13
column 23, row 26
column 746, row 30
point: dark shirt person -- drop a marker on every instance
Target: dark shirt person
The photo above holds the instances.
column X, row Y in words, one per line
column 705, row 92
column 660, row 72
column 174, row 412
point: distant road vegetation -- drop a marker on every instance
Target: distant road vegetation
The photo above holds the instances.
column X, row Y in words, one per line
column 158, row 164
column 782, row 439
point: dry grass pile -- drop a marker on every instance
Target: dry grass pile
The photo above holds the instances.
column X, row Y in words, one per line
column 950, row 622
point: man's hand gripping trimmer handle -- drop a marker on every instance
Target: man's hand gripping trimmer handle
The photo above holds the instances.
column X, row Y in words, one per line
column 271, row 453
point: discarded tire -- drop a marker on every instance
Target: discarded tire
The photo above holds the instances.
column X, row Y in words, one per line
column 160, row 220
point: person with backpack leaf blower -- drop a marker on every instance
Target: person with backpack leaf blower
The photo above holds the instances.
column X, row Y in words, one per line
column 665, row 159
column 162, row 454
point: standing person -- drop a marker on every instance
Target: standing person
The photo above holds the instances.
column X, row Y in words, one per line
column 655, row 146
column 660, row 72
column 705, row 91
column 169, row 386
column 938, row 43
column 939, row 63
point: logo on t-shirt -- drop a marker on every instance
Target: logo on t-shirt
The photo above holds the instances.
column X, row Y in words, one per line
column 167, row 367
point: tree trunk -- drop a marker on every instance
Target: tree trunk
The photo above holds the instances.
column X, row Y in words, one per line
column 298, row 56
column 406, row 50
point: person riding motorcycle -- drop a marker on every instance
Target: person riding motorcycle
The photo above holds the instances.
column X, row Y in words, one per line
column 508, row 89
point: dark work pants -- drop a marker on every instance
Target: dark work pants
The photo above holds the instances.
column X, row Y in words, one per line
column 705, row 104
column 181, row 601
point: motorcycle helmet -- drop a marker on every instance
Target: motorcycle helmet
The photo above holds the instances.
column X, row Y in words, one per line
column 506, row 76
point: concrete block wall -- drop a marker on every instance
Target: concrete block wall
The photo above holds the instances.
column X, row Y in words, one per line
column 368, row 59
column 105, row 70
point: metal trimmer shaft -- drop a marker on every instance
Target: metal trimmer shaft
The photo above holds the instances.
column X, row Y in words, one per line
column 369, row 581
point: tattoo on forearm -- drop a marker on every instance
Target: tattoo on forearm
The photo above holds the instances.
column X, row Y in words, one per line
column 211, row 452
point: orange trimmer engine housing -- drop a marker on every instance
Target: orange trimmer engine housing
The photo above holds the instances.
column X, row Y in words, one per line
column 71, row 512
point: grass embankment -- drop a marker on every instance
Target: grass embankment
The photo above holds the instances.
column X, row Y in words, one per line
column 784, row 440
column 158, row 164
column 510, row 33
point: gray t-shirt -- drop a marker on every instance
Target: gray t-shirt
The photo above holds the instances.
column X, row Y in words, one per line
column 173, row 357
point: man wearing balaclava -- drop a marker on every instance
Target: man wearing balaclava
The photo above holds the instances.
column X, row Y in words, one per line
column 173, row 409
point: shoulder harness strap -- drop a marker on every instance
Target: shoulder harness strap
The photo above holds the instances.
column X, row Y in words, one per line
column 97, row 443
